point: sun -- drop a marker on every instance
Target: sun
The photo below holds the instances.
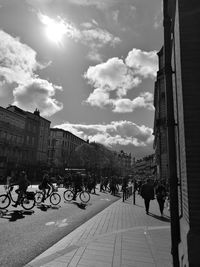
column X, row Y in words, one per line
column 55, row 30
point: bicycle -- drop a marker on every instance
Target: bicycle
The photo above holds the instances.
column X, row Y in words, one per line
column 27, row 200
column 69, row 194
column 53, row 196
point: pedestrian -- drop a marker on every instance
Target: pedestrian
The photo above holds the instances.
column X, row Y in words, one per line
column 161, row 194
column 147, row 193
column 77, row 183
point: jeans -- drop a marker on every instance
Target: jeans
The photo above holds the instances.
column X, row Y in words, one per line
column 146, row 203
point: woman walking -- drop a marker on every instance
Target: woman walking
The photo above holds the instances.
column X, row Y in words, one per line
column 161, row 194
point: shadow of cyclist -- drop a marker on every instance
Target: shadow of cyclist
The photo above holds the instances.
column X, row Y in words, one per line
column 80, row 205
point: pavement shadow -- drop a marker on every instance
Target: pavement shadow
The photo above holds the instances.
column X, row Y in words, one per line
column 116, row 195
column 15, row 215
column 80, row 205
column 164, row 218
column 45, row 207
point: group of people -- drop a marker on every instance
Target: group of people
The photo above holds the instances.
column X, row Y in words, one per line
column 110, row 184
column 149, row 190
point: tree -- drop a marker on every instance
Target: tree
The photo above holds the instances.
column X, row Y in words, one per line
column 95, row 157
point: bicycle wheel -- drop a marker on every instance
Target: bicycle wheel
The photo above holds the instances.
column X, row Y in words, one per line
column 68, row 195
column 13, row 195
column 84, row 196
column 39, row 197
column 27, row 204
column 4, row 201
column 55, row 198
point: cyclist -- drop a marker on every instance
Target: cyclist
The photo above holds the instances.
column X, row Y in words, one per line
column 46, row 185
column 77, row 183
column 23, row 183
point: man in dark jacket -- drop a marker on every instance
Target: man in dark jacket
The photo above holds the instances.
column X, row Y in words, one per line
column 23, row 183
column 161, row 194
column 147, row 193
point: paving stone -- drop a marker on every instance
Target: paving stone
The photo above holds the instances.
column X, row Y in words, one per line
column 122, row 235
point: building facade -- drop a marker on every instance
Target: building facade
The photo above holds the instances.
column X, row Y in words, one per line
column 43, row 139
column 61, row 146
column 181, row 81
column 160, row 120
column 145, row 168
column 12, row 129
column 23, row 139
column 125, row 162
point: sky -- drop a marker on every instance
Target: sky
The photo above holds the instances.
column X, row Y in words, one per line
column 89, row 66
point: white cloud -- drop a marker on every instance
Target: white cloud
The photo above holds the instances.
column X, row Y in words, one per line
column 101, row 37
column 37, row 93
column 122, row 133
column 18, row 66
column 99, row 98
column 17, row 61
column 143, row 63
column 113, row 79
column 112, row 75
column 87, row 25
column 100, row 4
column 125, row 105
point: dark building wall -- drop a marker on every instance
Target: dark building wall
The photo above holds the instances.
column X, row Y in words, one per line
column 186, row 65
column 160, row 121
column 189, row 25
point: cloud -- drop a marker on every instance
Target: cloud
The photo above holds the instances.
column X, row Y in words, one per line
column 89, row 34
column 158, row 18
column 126, row 105
column 18, row 65
column 122, row 133
column 112, row 75
column 61, row 25
column 112, row 80
column 115, row 15
column 17, row 61
column 97, row 38
column 37, row 93
column 100, row 4
column 144, row 63
column 101, row 37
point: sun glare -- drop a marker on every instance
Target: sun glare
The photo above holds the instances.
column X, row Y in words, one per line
column 55, row 30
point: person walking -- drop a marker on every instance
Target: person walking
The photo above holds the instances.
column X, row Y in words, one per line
column 77, row 183
column 147, row 193
column 161, row 194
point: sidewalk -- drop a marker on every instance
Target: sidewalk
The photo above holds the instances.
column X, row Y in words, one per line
column 121, row 235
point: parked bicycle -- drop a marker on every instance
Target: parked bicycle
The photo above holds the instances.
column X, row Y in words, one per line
column 69, row 195
column 27, row 201
column 53, row 196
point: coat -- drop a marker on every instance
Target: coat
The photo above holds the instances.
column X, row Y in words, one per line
column 147, row 191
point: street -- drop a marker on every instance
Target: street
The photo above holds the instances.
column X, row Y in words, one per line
column 26, row 234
